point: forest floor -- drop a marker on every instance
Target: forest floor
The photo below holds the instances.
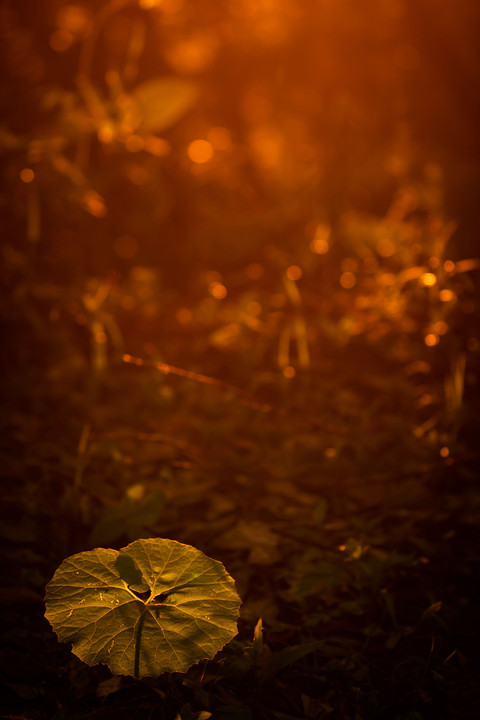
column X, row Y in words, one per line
column 337, row 517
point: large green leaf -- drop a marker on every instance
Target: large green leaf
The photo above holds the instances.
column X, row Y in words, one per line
column 155, row 606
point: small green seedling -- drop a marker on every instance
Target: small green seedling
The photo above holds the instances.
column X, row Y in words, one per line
column 154, row 606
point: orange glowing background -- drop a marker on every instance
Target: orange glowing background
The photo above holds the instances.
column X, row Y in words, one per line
column 292, row 169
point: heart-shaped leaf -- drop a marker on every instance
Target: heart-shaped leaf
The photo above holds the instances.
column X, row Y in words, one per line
column 155, row 606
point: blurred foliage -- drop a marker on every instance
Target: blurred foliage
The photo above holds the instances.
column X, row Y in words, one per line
column 161, row 155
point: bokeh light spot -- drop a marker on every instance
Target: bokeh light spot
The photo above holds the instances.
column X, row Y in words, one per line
column 294, row 272
column 387, row 279
column 319, row 245
column 255, row 271
column 60, row 40
column 446, row 295
column 219, row 138
column 94, row 204
column 125, row 247
column 200, row 151
column 157, row 146
column 27, row 175
column 184, row 316
column 431, row 339
column 192, row 54
column 347, row 280
column 289, row 371
column 440, row 327
column 449, row 266
column 267, row 145
column 138, row 175
column 106, row 132
column 100, row 337
column 134, row 143
column 254, row 308
column 444, row 451
column 428, row 279
column 385, row 247
column 74, row 18
column 218, row 290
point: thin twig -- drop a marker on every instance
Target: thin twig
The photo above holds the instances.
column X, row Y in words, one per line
column 166, row 369
column 244, row 397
